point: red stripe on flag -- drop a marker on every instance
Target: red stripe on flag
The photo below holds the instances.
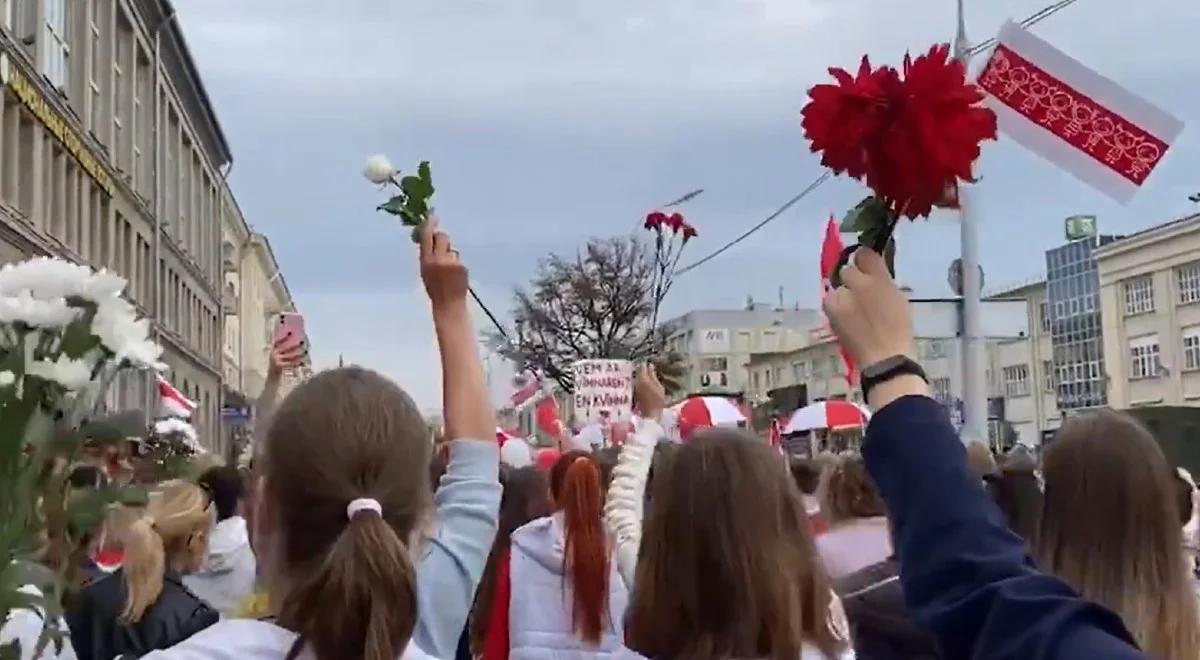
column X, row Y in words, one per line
column 831, row 252
column 1108, row 138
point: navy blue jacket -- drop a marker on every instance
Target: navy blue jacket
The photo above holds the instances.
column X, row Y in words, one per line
column 966, row 577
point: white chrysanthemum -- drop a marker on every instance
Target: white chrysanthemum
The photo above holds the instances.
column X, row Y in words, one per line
column 379, row 169
column 120, row 331
column 46, row 278
column 7, row 378
column 175, row 426
column 71, row 374
column 49, row 313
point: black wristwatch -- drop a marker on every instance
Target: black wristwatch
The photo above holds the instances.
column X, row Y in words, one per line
column 887, row 369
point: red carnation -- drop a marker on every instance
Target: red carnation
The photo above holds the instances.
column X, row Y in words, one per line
column 675, row 222
column 655, row 220
column 689, row 232
column 906, row 139
column 841, row 119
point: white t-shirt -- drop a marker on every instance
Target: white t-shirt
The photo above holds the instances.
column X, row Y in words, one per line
column 247, row 639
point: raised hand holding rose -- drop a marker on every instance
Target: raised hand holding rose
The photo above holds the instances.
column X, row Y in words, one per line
column 443, row 273
column 411, row 204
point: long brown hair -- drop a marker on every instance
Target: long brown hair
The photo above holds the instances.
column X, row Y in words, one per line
column 347, row 583
column 526, row 497
column 1110, row 529
column 577, row 491
column 171, row 532
column 727, row 566
column 848, row 492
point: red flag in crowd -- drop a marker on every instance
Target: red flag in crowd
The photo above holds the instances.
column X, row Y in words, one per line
column 172, row 401
column 775, row 434
column 831, row 251
column 525, row 385
column 1074, row 117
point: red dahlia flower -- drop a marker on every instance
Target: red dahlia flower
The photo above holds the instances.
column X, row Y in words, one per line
column 906, row 139
column 841, row 119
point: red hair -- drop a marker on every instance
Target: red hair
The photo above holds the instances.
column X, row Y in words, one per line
column 576, row 487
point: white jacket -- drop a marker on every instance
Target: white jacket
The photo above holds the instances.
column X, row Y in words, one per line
column 230, row 572
column 539, row 618
column 247, row 639
column 25, row 626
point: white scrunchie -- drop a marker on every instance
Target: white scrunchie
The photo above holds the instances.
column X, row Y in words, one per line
column 363, row 504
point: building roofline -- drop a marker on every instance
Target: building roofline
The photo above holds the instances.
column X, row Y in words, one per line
column 276, row 273
column 1011, row 288
column 189, row 65
column 1130, row 241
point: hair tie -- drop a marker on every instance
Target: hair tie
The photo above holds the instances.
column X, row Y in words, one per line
column 363, row 504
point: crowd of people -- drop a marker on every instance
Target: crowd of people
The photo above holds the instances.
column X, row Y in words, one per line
column 351, row 537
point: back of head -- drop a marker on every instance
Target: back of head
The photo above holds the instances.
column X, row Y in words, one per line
column 346, row 436
column 526, row 497
column 226, row 488
column 1019, row 496
column 807, row 474
column 172, row 532
column 1110, row 528
column 849, row 493
column 577, row 490
column 980, row 459
column 727, row 567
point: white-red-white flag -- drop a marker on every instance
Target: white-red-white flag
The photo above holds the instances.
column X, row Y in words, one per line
column 1072, row 116
column 172, row 401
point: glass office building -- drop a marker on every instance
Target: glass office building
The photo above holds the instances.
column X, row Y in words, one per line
column 1076, row 334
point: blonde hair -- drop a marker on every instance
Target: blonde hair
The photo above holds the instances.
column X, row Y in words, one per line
column 174, row 528
column 1110, row 529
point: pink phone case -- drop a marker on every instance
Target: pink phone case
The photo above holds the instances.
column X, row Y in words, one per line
column 290, row 329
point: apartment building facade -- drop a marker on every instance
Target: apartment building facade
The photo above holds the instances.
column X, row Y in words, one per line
column 1150, row 301
column 111, row 155
column 1023, row 379
column 716, row 345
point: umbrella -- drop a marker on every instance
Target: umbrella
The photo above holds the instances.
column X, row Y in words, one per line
column 827, row 415
column 703, row 411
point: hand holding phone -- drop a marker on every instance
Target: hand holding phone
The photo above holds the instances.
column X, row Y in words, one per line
column 290, row 343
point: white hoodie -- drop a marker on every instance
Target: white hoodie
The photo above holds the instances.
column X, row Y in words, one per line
column 230, row 573
column 247, row 639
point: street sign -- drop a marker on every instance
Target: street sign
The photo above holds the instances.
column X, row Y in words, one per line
column 236, row 414
column 955, row 277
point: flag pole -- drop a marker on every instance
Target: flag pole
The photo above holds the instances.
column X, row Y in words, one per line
column 974, row 366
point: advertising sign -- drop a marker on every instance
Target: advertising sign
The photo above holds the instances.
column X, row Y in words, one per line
column 603, row 391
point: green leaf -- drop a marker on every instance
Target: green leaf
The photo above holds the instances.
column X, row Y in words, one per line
column 395, row 205
column 426, row 175
column 21, row 573
column 114, row 428
column 870, row 212
column 11, row 650
column 416, row 188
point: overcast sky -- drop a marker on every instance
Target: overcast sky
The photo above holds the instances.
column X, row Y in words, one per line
column 551, row 121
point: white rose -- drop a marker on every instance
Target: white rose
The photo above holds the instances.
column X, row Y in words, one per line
column 7, row 378
column 379, row 169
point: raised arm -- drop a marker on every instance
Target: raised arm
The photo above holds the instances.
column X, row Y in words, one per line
column 284, row 356
column 468, row 497
column 965, row 575
column 623, row 510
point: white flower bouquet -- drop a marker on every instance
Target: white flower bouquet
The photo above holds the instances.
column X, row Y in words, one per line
column 65, row 334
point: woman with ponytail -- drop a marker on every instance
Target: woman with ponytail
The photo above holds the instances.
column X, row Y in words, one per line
column 362, row 559
column 145, row 606
column 567, row 599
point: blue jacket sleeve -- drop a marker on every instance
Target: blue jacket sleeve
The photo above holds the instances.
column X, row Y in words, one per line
column 966, row 577
column 468, row 505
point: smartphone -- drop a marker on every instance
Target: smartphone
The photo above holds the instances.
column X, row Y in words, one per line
column 290, row 330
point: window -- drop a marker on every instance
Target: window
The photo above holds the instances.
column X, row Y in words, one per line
column 1188, row 279
column 939, row 389
column 933, row 349
column 799, row 371
column 835, row 364
column 1139, row 295
column 1048, row 375
column 95, row 20
column 713, row 364
column 55, row 49
column 1191, row 348
column 767, row 376
column 1044, row 315
column 1143, row 357
column 1016, row 380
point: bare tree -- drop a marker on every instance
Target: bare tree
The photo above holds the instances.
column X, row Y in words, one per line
column 599, row 303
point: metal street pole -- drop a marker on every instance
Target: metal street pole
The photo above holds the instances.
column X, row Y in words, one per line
column 974, row 358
